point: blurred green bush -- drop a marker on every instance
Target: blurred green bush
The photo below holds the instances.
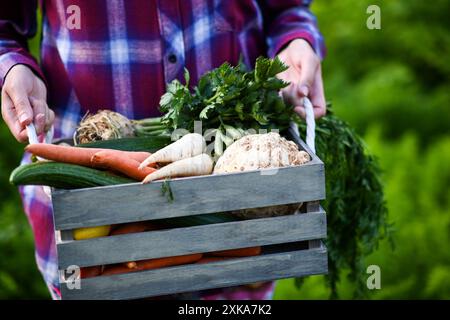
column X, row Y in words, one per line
column 392, row 85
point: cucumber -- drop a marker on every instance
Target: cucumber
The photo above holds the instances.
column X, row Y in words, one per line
column 150, row 144
column 63, row 176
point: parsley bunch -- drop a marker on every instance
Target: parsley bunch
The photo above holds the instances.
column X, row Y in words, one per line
column 229, row 97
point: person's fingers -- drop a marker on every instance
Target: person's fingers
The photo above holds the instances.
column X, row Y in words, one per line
column 318, row 96
column 22, row 105
column 23, row 136
column 307, row 75
column 11, row 120
column 50, row 120
column 40, row 110
column 300, row 110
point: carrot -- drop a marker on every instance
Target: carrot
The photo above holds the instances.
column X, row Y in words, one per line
column 139, row 156
column 88, row 272
column 65, row 154
column 117, row 161
column 211, row 259
column 195, row 166
column 131, row 264
column 75, row 155
column 188, row 146
column 150, row 264
column 132, row 228
column 242, row 252
column 116, row 269
column 168, row 261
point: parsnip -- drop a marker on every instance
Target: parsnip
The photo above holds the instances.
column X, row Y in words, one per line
column 188, row 146
column 196, row 166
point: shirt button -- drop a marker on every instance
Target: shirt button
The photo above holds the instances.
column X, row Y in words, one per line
column 172, row 58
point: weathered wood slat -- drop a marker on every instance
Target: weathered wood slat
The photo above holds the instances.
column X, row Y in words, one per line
column 202, row 276
column 195, row 195
column 314, row 206
column 180, row 241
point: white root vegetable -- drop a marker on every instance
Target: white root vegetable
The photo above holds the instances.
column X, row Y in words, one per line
column 199, row 165
column 188, row 146
column 260, row 151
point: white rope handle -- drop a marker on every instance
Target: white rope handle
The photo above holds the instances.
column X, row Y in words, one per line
column 310, row 125
column 32, row 138
column 31, row 132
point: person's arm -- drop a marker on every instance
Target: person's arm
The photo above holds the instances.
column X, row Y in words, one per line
column 21, row 80
column 292, row 34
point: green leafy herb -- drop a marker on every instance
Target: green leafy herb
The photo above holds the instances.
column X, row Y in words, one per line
column 229, row 96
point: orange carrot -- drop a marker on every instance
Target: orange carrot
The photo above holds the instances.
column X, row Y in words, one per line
column 116, row 269
column 150, row 264
column 168, row 261
column 212, row 259
column 242, row 252
column 139, row 156
column 132, row 228
column 76, row 155
column 131, row 264
column 117, row 161
column 88, row 272
column 66, row 154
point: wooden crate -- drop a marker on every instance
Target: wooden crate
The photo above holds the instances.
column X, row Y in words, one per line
column 291, row 244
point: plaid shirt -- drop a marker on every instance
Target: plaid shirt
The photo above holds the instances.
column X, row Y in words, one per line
column 121, row 57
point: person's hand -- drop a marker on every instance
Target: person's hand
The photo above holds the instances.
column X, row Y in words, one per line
column 305, row 77
column 24, row 101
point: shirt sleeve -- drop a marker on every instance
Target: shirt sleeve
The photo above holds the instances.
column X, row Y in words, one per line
column 286, row 20
column 17, row 25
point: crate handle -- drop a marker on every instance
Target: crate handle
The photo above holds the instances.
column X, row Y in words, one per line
column 310, row 125
column 48, row 138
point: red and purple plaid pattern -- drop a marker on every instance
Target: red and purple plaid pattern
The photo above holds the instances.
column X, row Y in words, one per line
column 123, row 55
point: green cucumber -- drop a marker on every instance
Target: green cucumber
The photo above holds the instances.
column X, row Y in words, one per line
column 150, row 144
column 63, row 176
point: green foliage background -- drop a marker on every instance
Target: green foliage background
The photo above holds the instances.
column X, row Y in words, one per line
column 392, row 85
